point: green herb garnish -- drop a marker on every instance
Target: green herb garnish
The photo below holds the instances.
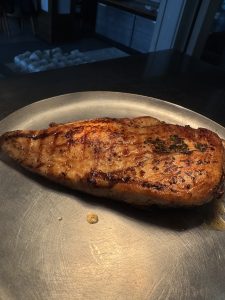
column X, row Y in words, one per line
column 201, row 147
column 177, row 145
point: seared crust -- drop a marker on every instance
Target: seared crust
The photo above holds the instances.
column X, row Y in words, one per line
column 141, row 161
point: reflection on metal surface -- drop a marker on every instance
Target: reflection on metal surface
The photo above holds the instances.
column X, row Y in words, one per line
column 217, row 217
column 130, row 254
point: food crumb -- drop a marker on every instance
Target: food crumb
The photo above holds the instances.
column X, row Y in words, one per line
column 92, row 218
column 60, row 218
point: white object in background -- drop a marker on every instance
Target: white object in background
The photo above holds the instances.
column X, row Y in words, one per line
column 26, row 54
column 43, row 62
column 77, row 61
column 47, row 52
column 54, row 60
column 25, row 63
column 40, row 68
column 38, row 52
column 57, row 55
column 33, row 66
column 56, row 50
column 85, row 58
column 75, row 52
column 17, row 59
column 34, row 56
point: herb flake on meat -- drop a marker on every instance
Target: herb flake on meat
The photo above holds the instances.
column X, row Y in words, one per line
column 201, row 147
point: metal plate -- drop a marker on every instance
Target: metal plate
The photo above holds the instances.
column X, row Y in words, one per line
column 128, row 254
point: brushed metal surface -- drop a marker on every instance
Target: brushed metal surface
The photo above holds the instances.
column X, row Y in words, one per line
column 49, row 251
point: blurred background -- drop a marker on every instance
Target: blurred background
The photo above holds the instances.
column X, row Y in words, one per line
column 33, row 32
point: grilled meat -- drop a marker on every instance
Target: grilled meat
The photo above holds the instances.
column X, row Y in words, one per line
column 141, row 161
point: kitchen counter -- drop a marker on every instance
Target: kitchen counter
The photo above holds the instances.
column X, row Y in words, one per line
column 167, row 75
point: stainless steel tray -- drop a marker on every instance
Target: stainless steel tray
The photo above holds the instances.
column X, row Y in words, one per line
column 128, row 254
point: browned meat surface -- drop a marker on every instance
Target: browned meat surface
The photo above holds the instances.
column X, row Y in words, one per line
column 141, row 161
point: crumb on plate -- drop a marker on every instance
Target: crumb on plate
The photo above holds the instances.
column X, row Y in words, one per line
column 92, row 218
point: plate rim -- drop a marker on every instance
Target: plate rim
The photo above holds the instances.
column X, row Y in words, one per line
column 107, row 93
